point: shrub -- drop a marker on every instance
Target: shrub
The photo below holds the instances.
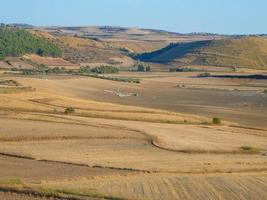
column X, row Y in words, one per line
column 203, row 75
column 185, row 69
column 105, row 70
column 216, row 121
column 69, row 110
column 140, row 68
column 249, row 149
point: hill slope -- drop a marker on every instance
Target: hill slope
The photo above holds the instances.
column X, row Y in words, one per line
column 241, row 52
column 115, row 33
column 15, row 42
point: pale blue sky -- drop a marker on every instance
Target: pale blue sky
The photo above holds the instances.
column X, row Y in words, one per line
column 215, row 16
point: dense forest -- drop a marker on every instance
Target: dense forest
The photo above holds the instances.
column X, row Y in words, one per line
column 16, row 42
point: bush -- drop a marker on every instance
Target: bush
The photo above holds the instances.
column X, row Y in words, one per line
column 140, row 68
column 174, row 69
column 85, row 69
column 216, row 121
column 43, row 69
column 249, row 149
column 69, row 110
column 203, row 75
column 105, row 70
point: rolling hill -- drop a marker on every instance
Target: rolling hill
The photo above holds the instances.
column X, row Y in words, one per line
column 115, row 33
column 94, row 46
column 17, row 42
column 248, row 52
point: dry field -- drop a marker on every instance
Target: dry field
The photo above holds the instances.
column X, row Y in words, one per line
column 238, row 101
column 51, row 62
column 160, row 144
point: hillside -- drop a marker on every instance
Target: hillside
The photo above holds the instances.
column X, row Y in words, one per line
column 82, row 46
column 94, row 46
column 115, row 33
column 241, row 52
column 17, row 42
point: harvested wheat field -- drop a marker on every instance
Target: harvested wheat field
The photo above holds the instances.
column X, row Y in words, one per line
column 130, row 147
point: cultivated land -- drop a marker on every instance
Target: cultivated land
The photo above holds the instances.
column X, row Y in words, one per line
column 171, row 135
column 147, row 152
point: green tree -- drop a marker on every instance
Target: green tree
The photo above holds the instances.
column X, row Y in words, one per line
column 16, row 42
column 140, row 67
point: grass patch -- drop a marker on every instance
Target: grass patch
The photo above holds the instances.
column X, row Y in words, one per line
column 249, row 149
column 119, row 79
column 16, row 181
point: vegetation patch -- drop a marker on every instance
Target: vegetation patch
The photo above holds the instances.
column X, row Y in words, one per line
column 239, row 52
column 204, row 75
column 250, row 149
column 183, row 69
column 16, row 181
column 256, row 76
column 69, row 110
column 103, row 69
column 17, row 42
column 120, row 79
column 142, row 67
column 216, row 121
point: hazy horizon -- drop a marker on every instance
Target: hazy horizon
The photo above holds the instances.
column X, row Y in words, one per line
column 209, row 16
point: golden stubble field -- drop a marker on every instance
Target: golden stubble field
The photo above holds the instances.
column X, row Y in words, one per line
column 133, row 147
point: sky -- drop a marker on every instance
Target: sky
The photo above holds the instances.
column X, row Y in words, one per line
column 183, row 16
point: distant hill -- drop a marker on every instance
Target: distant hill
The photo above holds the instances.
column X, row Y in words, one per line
column 241, row 52
column 18, row 25
column 125, row 33
column 86, row 51
column 117, row 46
column 17, row 42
